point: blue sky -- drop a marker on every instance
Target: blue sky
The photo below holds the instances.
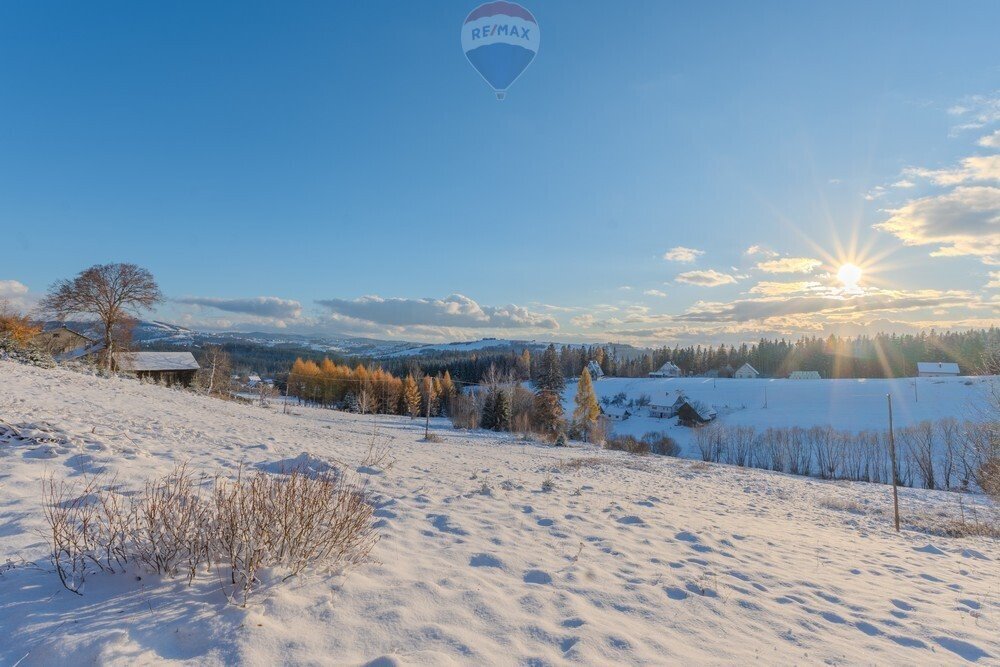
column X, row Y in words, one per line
column 338, row 167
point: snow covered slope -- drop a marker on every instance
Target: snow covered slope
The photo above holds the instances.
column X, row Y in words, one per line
column 850, row 405
column 493, row 551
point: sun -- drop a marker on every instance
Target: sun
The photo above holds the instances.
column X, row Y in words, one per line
column 849, row 274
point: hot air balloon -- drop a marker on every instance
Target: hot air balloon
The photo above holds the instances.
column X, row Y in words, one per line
column 500, row 39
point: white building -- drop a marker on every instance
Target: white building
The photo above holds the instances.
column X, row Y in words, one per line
column 936, row 369
column 595, row 371
column 616, row 414
column 667, row 370
column 746, row 372
column 804, row 375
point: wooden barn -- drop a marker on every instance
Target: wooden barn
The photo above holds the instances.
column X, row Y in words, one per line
column 168, row 368
column 695, row 413
column 65, row 343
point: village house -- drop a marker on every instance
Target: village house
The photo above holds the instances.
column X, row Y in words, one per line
column 695, row 413
column 746, row 372
column 667, row 370
column 804, row 375
column 64, row 343
column 667, row 411
column 168, row 368
column 594, row 368
column 937, row 369
column 616, row 414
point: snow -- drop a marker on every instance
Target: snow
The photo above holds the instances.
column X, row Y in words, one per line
column 937, row 367
column 850, row 405
column 156, row 361
column 623, row 560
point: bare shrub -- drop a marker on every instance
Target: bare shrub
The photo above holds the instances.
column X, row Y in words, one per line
column 709, row 441
column 662, row 444
column 773, row 449
column 988, row 478
column 843, row 505
column 73, row 530
column 828, row 451
column 740, row 445
column 292, row 522
column 919, row 440
column 949, row 435
column 627, row 443
column 797, row 453
column 464, row 412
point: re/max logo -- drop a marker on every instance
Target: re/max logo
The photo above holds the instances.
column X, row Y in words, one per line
column 500, row 29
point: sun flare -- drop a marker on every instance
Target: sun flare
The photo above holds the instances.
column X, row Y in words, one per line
column 849, row 275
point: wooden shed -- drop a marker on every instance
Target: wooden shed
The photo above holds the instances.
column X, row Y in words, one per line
column 168, row 368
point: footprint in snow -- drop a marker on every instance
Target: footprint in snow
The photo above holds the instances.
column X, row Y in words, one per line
column 631, row 520
column 485, row 560
column 539, row 577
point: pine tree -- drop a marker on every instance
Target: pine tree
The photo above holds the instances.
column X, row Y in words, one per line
column 488, row 420
column 587, row 409
column 550, row 375
column 411, row 396
column 501, row 411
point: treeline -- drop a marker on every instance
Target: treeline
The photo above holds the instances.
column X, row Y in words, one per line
column 947, row 454
column 370, row 390
column 879, row 356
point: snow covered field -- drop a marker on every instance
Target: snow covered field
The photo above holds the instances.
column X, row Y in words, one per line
column 495, row 551
column 850, row 405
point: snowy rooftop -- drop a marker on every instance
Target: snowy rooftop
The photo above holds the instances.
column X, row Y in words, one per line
column 156, row 361
column 936, row 367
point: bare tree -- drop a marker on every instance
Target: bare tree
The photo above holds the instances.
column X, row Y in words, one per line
column 110, row 292
column 216, row 371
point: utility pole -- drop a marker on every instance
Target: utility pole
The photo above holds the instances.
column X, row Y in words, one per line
column 892, row 457
column 916, row 399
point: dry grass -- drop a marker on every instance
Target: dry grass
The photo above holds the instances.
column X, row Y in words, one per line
column 293, row 522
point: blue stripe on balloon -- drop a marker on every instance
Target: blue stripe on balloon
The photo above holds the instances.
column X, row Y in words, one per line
column 500, row 64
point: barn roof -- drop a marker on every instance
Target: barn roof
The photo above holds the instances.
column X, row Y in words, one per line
column 53, row 327
column 156, row 361
column 937, row 367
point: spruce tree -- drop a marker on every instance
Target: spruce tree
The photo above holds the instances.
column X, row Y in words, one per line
column 501, row 411
column 488, row 419
column 550, row 376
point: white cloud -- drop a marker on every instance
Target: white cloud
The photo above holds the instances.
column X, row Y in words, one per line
column 768, row 288
column 964, row 221
column 756, row 249
column 12, row 288
column 974, row 168
column 655, row 292
column 456, row 311
column 706, row 278
column 976, row 111
column 829, row 305
column 682, row 254
column 260, row 306
column 875, row 193
column 904, row 183
column 990, row 140
column 994, row 282
column 790, row 265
